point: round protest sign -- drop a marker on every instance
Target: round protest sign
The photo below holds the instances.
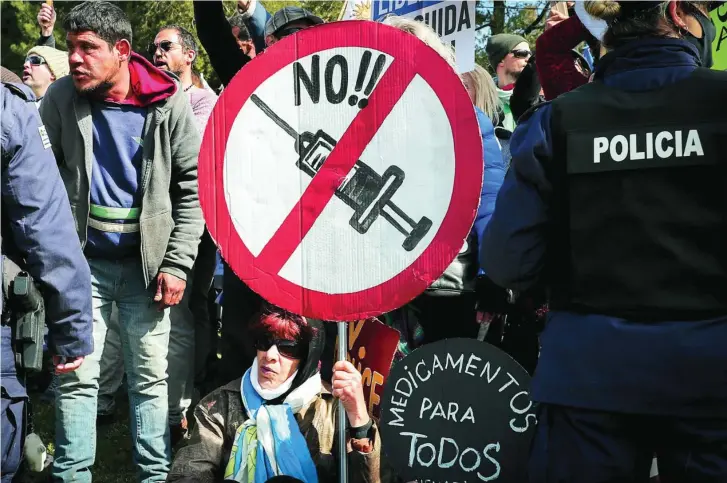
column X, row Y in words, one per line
column 340, row 171
column 458, row 410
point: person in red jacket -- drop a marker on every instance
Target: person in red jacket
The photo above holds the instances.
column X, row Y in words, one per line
column 559, row 70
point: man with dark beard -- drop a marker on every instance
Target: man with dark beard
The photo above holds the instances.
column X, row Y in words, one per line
column 126, row 143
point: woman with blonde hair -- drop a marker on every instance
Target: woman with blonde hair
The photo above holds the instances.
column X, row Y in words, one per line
column 482, row 91
column 615, row 200
column 460, row 277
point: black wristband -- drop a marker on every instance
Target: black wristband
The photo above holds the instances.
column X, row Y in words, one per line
column 361, row 432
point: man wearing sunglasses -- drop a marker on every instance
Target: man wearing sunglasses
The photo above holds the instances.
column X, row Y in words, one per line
column 508, row 55
column 42, row 67
column 175, row 50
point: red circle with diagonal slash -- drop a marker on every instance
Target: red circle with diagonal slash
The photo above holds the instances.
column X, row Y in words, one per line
column 410, row 57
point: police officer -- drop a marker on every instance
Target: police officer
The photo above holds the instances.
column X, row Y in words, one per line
column 616, row 197
column 38, row 234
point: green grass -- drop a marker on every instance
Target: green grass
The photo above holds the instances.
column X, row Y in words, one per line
column 113, row 445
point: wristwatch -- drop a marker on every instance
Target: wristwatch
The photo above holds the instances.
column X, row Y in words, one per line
column 361, row 432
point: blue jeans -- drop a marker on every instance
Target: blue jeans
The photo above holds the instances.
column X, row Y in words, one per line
column 144, row 332
column 181, row 358
column 191, row 312
column 112, row 367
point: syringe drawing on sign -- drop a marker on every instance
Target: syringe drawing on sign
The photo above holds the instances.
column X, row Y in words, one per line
column 364, row 190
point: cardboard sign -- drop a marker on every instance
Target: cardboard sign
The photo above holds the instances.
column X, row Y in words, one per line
column 458, row 410
column 371, row 349
column 454, row 22
column 719, row 46
column 340, row 171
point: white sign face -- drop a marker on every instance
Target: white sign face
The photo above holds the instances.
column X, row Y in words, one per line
column 454, row 22
column 341, row 171
column 390, row 205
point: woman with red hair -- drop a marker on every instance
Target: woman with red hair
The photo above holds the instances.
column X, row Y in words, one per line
column 278, row 419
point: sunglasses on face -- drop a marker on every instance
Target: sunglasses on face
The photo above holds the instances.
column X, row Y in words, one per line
column 164, row 46
column 286, row 347
column 521, row 53
column 35, row 60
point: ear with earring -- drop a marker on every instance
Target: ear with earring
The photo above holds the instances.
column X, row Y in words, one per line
column 678, row 22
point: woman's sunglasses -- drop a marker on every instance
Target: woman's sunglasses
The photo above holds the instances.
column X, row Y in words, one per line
column 35, row 60
column 164, row 45
column 521, row 53
column 286, row 347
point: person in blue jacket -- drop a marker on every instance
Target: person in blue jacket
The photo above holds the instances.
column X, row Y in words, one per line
column 39, row 235
column 616, row 198
column 494, row 174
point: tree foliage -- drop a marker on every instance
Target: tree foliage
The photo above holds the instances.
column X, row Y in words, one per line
column 20, row 28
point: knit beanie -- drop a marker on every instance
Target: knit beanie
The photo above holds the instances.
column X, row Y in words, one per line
column 499, row 46
column 57, row 60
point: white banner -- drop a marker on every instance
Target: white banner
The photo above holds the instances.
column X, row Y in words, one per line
column 454, row 22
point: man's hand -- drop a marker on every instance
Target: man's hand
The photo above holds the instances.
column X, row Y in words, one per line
column 170, row 290
column 347, row 387
column 66, row 365
column 46, row 19
column 554, row 18
column 243, row 5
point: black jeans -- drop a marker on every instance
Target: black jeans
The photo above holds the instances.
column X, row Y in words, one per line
column 574, row 445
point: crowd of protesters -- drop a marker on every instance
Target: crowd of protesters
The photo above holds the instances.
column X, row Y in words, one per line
column 125, row 129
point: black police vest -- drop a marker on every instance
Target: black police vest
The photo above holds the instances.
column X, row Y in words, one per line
column 639, row 202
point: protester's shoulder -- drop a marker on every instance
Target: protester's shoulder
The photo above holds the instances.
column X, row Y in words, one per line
column 537, row 111
column 178, row 91
column 18, row 104
column 202, row 97
column 208, row 95
column 711, row 74
column 63, row 84
column 221, row 399
column 487, row 128
column 178, row 99
column 61, row 90
column 19, row 93
column 578, row 94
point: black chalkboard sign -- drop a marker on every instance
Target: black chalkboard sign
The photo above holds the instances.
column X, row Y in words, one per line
column 458, row 410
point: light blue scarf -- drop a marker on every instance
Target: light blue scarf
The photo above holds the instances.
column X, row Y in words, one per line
column 270, row 443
